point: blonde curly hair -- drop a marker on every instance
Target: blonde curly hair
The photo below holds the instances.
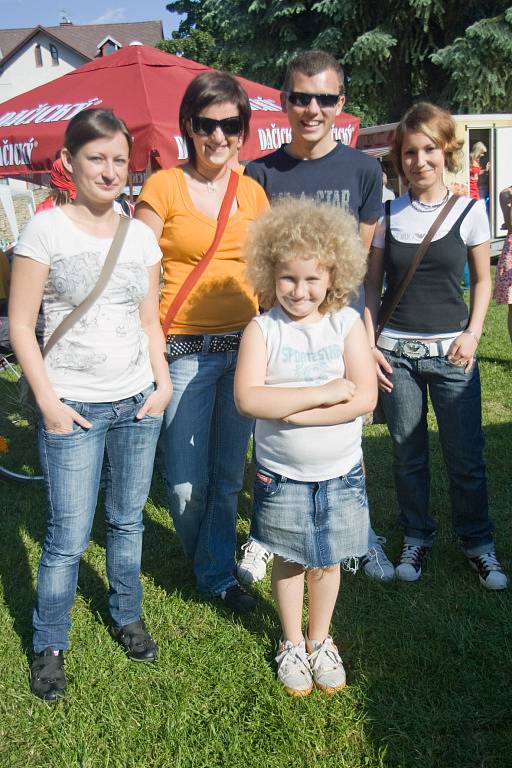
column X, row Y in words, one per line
column 311, row 230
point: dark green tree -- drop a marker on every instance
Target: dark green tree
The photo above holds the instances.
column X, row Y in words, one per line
column 456, row 52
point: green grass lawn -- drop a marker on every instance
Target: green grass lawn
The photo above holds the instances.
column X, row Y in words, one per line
column 429, row 665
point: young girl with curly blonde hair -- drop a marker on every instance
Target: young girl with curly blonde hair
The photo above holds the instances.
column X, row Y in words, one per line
column 305, row 373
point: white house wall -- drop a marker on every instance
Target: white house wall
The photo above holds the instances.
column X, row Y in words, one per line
column 20, row 73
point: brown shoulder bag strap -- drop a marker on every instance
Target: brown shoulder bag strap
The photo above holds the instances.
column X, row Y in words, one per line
column 422, row 248
column 104, row 277
column 200, row 267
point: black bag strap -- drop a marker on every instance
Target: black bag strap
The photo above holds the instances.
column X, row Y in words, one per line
column 422, row 248
column 105, row 274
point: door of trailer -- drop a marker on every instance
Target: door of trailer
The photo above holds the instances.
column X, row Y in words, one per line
column 502, row 173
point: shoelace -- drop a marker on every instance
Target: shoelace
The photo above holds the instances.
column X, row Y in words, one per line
column 325, row 657
column 377, row 551
column 253, row 552
column 412, row 554
column 488, row 562
column 350, row 565
column 290, row 655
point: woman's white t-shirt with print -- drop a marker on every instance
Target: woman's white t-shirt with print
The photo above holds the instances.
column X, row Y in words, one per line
column 306, row 355
column 104, row 356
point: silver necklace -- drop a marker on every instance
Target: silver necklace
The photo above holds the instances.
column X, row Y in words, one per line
column 418, row 205
column 210, row 185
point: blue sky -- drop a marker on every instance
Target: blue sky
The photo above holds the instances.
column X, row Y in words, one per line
column 30, row 13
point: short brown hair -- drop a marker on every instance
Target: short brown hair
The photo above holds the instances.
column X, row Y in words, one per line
column 436, row 123
column 212, row 88
column 91, row 124
column 311, row 63
column 312, row 230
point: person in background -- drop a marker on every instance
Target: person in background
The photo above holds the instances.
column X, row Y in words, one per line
column 428, row 346
column 315, row 165
column 5, row 279
column 387, row 193
column 503, row 287
column 305, row 373
column 205, row 438
column 100, row 391
column 63, row 188
column 478, row 151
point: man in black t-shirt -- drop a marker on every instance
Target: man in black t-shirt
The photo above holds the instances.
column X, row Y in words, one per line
column 315, row 165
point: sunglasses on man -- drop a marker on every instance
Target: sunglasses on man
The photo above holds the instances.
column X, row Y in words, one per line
column 205, row 126
column 299, row 99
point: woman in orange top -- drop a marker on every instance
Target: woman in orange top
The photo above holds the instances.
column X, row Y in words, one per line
column 205, row 437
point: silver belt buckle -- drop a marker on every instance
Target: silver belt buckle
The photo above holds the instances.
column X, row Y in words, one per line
column 414, row 350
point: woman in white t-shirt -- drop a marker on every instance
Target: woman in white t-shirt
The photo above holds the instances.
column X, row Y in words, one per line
column 101, row 390
column 428, row 345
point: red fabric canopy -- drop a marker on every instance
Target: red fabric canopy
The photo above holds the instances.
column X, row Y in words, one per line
column 144, row 86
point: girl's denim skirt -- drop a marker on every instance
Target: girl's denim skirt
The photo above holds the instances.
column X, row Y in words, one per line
column 314, row 524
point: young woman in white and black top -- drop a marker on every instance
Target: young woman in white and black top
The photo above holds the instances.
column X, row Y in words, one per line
column 429, row 343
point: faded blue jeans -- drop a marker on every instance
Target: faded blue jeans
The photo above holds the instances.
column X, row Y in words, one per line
column 72, row 467
column 205, row 443
column 456, row 400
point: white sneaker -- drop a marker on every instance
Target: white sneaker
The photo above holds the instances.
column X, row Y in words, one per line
column 376, row 563
column 253, row 565
column 409, row 562
column 293, row 668
column 490, row 572
column 326, row 665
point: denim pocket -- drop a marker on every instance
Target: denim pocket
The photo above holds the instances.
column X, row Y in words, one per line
column 266, row 483
column 461, row 368
column 355, row 478
column 78, row 406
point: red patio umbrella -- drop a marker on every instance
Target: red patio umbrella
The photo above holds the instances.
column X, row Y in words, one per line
column 144, row 86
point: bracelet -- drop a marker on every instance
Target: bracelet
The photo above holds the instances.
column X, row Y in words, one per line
column 471, row 333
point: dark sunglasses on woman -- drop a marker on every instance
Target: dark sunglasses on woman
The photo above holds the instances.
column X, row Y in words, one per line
column 205, row 126
column 299, row 99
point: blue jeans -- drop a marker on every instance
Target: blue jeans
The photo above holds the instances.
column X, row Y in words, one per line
column 205, row 441
column 456, row 399
column 72, row 466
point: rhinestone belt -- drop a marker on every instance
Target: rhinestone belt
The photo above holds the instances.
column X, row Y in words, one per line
column 185, row 344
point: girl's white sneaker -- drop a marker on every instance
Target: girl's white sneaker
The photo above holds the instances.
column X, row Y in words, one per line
column 293, row 668
column 326, row 665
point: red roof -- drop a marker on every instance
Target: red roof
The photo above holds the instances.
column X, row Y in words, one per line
column 83, row 38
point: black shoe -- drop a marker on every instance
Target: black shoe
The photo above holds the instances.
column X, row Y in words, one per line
column 136, row 641
column 47, row 678
column 236, row 599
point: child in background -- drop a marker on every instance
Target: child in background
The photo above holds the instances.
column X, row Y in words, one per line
column 305, row 373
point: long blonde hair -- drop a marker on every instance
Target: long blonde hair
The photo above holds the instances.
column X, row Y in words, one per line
column 477, row 151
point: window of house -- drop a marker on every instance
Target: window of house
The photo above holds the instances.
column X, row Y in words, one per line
column 54, row 53
column 109, row 48
column 38, row 55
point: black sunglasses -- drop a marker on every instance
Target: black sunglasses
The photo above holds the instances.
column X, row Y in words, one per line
column 205, row 126
column 299, row 99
